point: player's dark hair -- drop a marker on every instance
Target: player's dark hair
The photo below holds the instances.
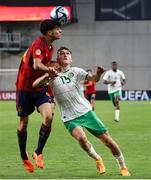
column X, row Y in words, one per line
column 89, row 70
column 114, row 62
column 47, row 25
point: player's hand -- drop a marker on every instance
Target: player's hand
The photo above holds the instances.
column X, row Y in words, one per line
column 100, row 70
column 122, row 83
column 113, row 83
column 52, row 72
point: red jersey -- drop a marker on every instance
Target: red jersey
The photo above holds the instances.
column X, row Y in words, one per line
column 90, row 87
column 26, row 74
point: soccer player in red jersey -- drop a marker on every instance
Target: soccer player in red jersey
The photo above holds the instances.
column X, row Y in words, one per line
column 34, row 64
column 90, row 91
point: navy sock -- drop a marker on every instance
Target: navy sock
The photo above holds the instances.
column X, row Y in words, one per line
column 22, row 138
column 43, row 136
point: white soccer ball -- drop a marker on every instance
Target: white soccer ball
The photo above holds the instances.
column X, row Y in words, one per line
column 59, row 14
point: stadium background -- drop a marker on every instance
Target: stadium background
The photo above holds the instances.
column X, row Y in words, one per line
column 122, row 32
column 92, row 42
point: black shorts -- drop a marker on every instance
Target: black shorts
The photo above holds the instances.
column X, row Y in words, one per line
column 90, row 97
column 27, row 101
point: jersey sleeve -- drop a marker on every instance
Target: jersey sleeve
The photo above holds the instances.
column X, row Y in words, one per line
column 122, row 75
column 106, row 76
column 81, row 74
column 37, row 52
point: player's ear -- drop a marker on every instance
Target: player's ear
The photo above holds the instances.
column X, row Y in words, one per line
column 49, row 33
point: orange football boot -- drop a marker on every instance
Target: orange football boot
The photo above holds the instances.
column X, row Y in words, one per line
column 124, row 172
column 28, row 165
column 39, row 160
column 100, row 166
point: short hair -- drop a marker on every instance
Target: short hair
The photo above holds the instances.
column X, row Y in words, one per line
column 89, row 70
column 62, row 48
column 47, row 25
column 114, row 62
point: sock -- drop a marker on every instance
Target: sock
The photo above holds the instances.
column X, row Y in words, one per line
column 22, row 138
column 43, row 136
column 92, row 153
column 121, row 161
column 117, row 114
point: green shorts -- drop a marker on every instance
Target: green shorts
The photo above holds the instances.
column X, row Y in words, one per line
column 114, row 95
column 89, row 121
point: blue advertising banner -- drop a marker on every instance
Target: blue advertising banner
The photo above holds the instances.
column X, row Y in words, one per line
column 127, row 95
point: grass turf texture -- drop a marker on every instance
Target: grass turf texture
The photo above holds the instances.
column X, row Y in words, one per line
column 63, row 156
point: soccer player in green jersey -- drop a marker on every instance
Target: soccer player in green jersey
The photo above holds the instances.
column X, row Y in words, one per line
column 76, row 111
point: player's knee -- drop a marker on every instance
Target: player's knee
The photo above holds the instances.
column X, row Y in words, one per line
column 23, row 125
column 82, row 140
column 48, row 119
column 84, row 143
column 107, row 141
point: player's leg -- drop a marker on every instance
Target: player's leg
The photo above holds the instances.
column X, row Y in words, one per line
column 95, row 126
column 92, row 100
column 45, row 106
column 117, row 106
column 80, row 136
column 22, row 136
column 115, row 98
column 75, row 129
column 24, row 108
column 117, row 153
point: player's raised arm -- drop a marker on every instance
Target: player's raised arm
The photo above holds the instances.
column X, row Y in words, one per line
column 41, row 80
column 96, row 77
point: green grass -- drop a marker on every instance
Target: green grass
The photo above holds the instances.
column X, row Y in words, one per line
column 63, row 156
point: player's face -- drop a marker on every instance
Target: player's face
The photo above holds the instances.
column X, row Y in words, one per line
column 114, row 67
column 56, row 33
column 65, row 57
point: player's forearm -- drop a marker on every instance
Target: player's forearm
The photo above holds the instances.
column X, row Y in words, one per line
column 123, row 82
column 40, row 81
column 106, row 82
column 39, row 66
column 95, row 78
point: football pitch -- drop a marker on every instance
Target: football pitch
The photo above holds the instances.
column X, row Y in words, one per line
column 64, row 159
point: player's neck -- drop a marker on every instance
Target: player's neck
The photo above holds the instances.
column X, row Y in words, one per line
column 114, row 70
column 65, row 68
column 49, row 41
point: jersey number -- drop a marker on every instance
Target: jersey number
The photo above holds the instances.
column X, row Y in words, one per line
column 65, row 79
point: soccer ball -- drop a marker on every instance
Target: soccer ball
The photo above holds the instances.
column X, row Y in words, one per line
column 59, row 14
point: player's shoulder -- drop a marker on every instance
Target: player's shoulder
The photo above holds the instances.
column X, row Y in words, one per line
column 76, row 69
column 120, row 71
column 39, row 42
column 108, row 71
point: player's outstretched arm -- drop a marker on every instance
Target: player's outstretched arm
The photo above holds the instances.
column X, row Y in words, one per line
column 41, row 80
column 96, row 77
